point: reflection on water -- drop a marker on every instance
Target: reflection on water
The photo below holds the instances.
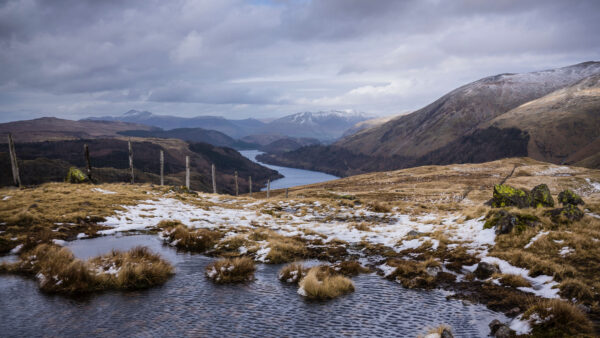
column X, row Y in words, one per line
column 292, row 177
column 190, row 305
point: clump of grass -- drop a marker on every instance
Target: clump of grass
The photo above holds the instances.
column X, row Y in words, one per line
column 414, row 274
column 438, row 331
column 231, row 270
column 557, row 318
column 458, row 257
column 350, row 268
column 58, row 271
column 573, row 288
column 292, row 273
column 322, row 284
column 284, row 249
column 138, row 268
column 183, row 237
column 512, row 280
column 537, row 266
column 379, row 207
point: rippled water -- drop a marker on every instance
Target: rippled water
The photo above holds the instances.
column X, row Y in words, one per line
column 190, row 305
column 292, row 177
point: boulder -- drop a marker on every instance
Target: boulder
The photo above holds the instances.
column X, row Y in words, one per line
column 541, row 197
column 567, row 214
column 76, row 176
column 569, row 197
column 507, row 196
column 504, row 221
column 485, row 270
column 499, row 329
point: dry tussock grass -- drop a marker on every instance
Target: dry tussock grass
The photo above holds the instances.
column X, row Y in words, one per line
column 350, row 268
column 58, row 271
column 292, row 273
column 231, row 270
column 320, row 283
column 512, row 280
column 557, row 318
column 183, row 237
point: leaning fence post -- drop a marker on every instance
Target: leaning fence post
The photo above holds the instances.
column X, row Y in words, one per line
column 13, row 161
column 214, row 179
column 130, row 160
column 187, row 172
column 162, row 168
column 250, row 184
column 86, row 151
column 268, row 187
column 237, row 191
column 286, row 193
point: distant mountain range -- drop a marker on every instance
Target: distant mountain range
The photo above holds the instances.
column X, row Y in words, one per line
column 324, row 126
column 551, row 115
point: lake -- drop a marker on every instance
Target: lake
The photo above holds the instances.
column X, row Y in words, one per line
column 292, row 177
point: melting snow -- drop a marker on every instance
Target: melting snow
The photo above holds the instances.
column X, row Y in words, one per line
column 102, row 191
column 535, row 238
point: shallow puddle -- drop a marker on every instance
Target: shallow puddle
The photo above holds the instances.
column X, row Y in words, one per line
column 191, row 305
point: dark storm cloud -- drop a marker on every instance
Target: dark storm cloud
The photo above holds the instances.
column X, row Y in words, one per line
column 74, row 58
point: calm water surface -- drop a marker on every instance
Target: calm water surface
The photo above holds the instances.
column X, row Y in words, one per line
column 190, row 305
column 292, row 176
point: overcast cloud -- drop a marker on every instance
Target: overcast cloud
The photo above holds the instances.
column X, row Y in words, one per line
column 79, row 58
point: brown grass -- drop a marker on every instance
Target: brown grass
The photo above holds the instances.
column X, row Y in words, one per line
column 231, row 270
column 350, row 268
column 322, row 284
column 413, row 274
column 292, row 273
column 573, row 288
column 557, row 318
column 58, row 271
column 512, row 280
column 437, row 330
column 183, row 237
column 284, row 249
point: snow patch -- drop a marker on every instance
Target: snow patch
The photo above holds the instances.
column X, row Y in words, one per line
column 535, row 238
column 102, row 191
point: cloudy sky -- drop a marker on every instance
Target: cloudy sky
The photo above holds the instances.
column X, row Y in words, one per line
column 267, row 58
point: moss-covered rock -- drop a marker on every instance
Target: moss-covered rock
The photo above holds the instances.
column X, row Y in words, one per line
column 541, row 197
column 569, row 197
column 567, row 214
column 507, row 196
column 76, row 176
column 504, row 222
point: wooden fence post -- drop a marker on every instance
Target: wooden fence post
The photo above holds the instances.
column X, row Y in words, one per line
column 250, row 184
column 88, row 164
column 162, row 167
column 237, row 191
column 130, row 160
column 13, row 161
column 187, row 172
column 286, row 193
column 268, row 187
column 214, row 179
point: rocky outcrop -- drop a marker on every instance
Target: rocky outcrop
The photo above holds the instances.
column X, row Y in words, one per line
column 499, row 329
column 504, row 222
column 541, row 197
column 507, row 196
column 76, row 176
column 485, row 270
column 567, row 197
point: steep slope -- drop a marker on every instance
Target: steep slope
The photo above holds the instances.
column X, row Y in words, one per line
column 462, row 110
column 367, row 124
column 564, row 126
column 233, row 128
column 193, row 135
column 323, row 125
column 53, row 129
